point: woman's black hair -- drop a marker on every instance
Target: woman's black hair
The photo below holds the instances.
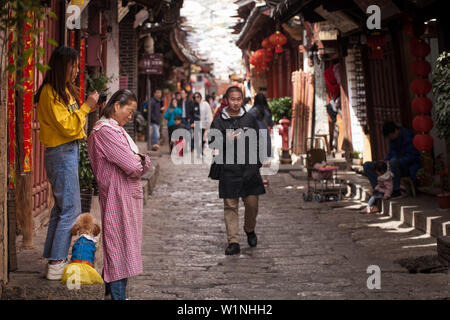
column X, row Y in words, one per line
column 56, row 77
column 199, row 94
column 260, row 103
column 123, row 96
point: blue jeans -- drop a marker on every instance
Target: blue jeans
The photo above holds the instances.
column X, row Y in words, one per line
column 117, row 289
column 376, row 195
column 397, row 169
column 61, row 164
column 155, row 133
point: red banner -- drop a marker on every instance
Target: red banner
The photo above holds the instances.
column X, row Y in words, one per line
column 82, row 54
column 28, row 98
column 11, row 119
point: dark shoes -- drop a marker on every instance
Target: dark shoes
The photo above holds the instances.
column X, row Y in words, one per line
column 233, row 248
column 251, row 238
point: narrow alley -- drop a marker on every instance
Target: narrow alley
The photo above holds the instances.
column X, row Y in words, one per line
column 305, row 250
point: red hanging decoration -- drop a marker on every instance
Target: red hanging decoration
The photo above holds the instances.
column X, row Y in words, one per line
column 28, row 97
column 277, row 40
column 421, row 68
column 82, row 65
column 423, row 142
column 421, row 86
column 422, row 123
column 11, row 118
column 419, row 49
column 269, row 55
column 266, row 44
column 422, row 105
column 261, row 57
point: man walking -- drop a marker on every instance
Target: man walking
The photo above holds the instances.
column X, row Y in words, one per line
column 237, row 180
column 156, row 108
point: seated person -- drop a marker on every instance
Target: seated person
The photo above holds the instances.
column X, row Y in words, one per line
column 404, row 159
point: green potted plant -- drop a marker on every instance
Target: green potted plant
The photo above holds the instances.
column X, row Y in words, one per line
column 86, row 178
column 357, row 158
column 281, row 107
column 441, row 92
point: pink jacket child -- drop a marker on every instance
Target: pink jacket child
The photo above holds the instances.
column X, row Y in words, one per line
column 385, row 183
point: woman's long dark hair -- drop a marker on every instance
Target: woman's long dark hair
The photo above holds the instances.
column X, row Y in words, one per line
column 261, row 105
column 59, row 62
column 123, row 96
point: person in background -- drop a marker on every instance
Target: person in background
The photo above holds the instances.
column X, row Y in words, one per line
column 156, row 108
column 205, row 119
column 223, row 104
column 170, row 115
column 383, row 189
column 247, row 104
column 404, row 159
column 178, row 96
column 186, row 107
column 62, row 122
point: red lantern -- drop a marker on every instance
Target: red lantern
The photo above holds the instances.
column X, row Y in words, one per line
column 269, row 55
column 278, row 39
column 253, row 60
column 422, row 105
column 266, row 44
column 419, row 49
column 261, row 56
column 422, row 123
column 421, row 86
column 423, row 142
column 408, row 28
column 420, row 68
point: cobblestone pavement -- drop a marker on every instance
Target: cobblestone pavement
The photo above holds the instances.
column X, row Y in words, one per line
column 305, row 250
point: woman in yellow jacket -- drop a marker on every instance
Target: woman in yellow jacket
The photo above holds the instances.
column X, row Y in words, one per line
column 61, row 127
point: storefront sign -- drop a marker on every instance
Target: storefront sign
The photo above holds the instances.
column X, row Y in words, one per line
column 151, row 63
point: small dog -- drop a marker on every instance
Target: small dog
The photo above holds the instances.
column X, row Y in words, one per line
column 81, row 268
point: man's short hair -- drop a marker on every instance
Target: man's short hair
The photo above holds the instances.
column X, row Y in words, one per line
column 177, row 118
column 389, row 127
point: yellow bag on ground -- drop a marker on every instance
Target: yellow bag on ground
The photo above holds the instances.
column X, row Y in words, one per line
column 80, row 273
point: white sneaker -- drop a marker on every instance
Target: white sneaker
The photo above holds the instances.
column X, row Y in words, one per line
column 55, row 271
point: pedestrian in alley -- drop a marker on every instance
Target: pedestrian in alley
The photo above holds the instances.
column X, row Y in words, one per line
column 156, row 109
column 118, row 167
column 170, row 115
column 404, row 159
column 186, row 106
column 263, row 115
column 205, row 119
column 238, row 180
column 383, row 190
column 62, row 120
column 223, row 104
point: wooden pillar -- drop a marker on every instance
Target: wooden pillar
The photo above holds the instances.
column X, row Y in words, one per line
column 3, row 179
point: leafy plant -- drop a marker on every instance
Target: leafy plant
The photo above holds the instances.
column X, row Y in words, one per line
column 356, row 155
column 281, row 107
column 85, row 174
column 99, row 83
column 441, row 92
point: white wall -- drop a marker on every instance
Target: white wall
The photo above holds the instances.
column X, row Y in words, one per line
column 112, row 57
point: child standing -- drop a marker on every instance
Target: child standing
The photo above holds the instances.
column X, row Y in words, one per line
column 383, row 190
column 170, row 115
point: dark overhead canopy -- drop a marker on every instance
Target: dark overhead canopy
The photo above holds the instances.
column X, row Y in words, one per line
column 257, row 26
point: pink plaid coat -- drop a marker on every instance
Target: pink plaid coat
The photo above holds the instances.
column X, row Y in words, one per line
column 118, row 173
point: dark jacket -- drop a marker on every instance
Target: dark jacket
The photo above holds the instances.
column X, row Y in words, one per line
column 195, row 112
column 189, row 106
column 155, row 109
column 404, row 151
column 238, row 180
column 264, row 122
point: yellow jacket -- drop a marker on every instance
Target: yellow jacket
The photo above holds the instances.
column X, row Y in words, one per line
column 60, row 123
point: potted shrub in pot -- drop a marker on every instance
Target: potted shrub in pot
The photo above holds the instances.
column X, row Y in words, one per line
column 86, row 177
column 357, row 159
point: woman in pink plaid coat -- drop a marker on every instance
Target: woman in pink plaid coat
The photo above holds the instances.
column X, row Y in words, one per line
column 118, row 167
